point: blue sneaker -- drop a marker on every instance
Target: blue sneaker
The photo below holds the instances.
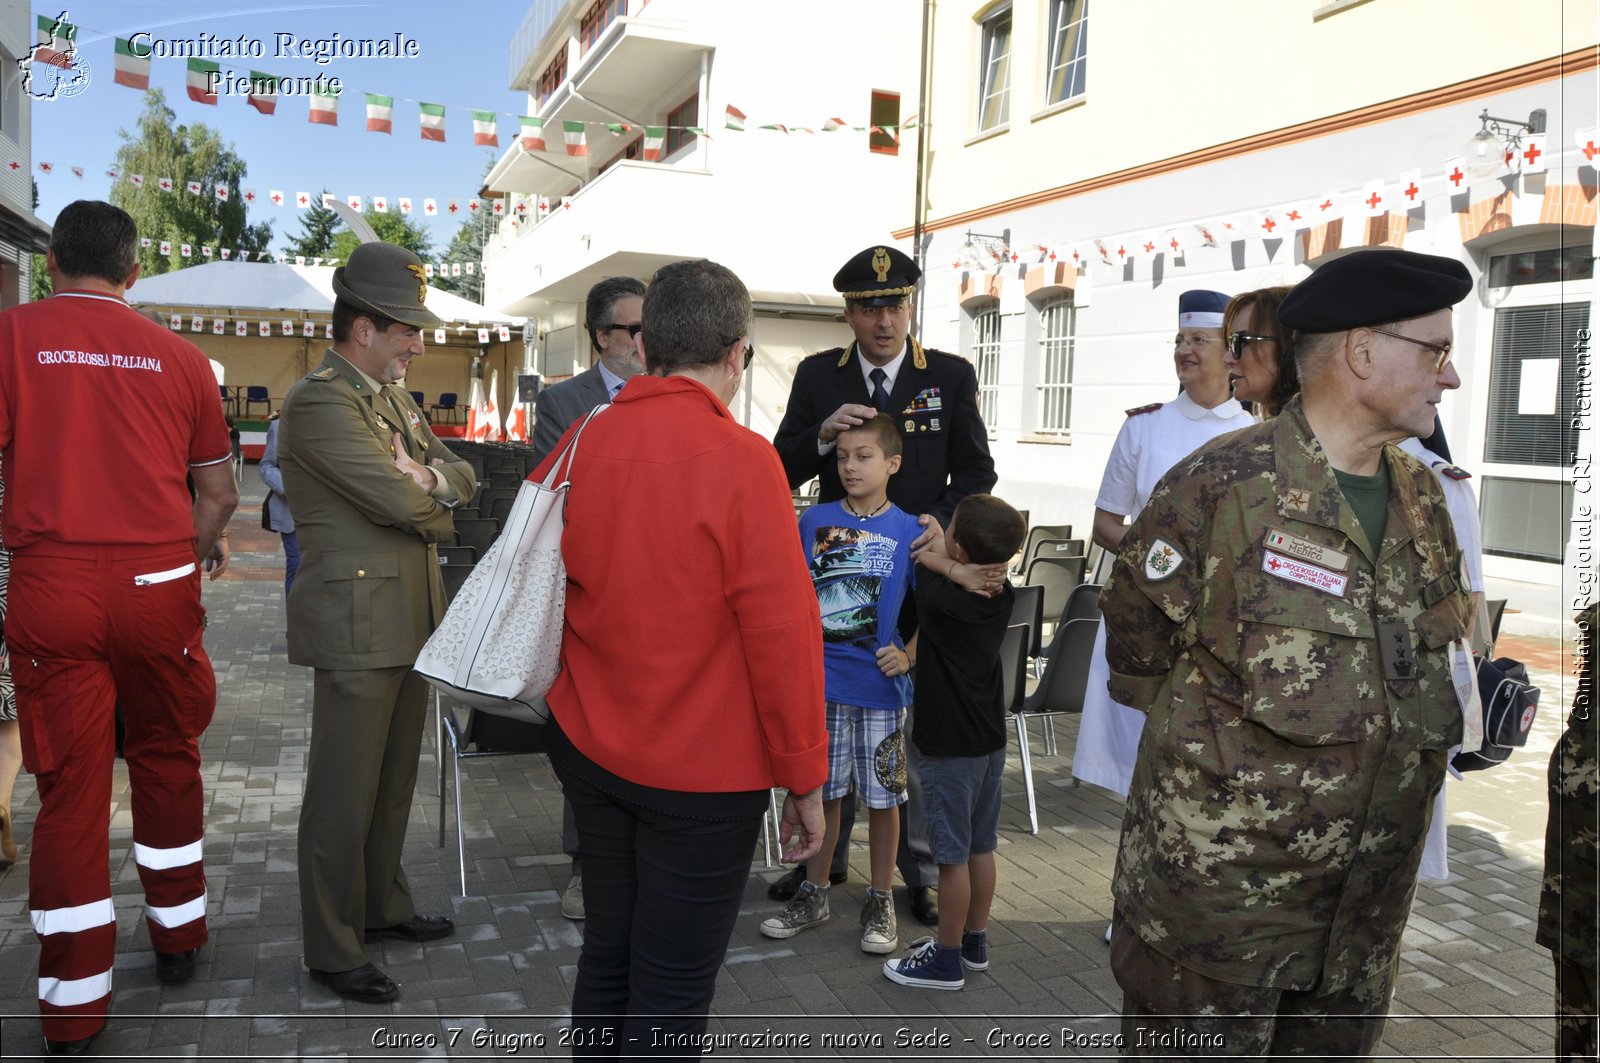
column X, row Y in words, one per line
column 975, row 950
column 930, row 967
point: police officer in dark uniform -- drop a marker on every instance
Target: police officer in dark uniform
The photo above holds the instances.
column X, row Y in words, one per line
column 933, row 397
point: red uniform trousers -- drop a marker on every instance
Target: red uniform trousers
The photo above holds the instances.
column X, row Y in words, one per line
column 89, row 626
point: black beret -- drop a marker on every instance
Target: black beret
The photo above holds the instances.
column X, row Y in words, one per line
column 1373, row 287
column 878, row 276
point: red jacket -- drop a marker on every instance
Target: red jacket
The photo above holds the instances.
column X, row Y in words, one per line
column 692, row 654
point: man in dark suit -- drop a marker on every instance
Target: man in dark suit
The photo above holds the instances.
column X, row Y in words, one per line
column 372, row 490
column 612, row 315
column 933, row 397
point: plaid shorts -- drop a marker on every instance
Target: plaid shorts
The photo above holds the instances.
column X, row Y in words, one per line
column 867, row 754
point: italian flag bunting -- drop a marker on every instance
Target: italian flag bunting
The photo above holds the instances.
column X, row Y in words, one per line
column 735, row 118
column 432, row 121
column 324, row 106
column 380, row 113
column 203, row 78
column 576, row 145
column 654, row 137
column 483, row 129
column 833, row 125
column 532, row 133
column 57, row 40
column 263, row 92
column 133, row 69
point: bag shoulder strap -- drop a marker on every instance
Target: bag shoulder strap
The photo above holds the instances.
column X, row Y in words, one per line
column 569, row 453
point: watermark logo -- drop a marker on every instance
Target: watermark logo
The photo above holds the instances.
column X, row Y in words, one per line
column 53, row 69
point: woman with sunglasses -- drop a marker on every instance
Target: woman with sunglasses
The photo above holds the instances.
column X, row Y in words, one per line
column 1256, row 358
column 1153, row 439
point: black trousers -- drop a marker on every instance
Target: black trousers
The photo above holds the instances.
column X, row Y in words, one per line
column 661, row 893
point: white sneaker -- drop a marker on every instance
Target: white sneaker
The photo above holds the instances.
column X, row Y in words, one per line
column 572, row 898
column 879, row 934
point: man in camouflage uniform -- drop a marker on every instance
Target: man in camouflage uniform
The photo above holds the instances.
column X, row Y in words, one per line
column 1568, row 922
column 1283, row 610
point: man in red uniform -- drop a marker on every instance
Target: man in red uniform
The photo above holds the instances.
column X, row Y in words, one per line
column 105, row 605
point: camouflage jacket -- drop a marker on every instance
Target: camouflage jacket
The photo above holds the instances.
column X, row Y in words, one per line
column 1299, row 708
column 1569, row 923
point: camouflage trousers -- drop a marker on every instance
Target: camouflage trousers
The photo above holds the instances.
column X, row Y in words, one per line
column 1577, row 1001
column 1172, row 1012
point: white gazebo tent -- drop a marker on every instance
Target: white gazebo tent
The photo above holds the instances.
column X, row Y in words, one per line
column 222, row 307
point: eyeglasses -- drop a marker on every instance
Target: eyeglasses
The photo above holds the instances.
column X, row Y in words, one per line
column 1441, row 351
column 749, row 354
column 633, row 329
column 1238, row 340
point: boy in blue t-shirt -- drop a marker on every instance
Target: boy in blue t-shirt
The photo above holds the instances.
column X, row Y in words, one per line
column 859, row 553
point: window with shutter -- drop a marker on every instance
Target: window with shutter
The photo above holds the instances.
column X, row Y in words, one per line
column 1525, row 518
column 1533, row 384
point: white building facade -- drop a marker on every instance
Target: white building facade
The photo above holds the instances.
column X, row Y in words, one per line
column 21, row 234
column 782, row 207
column 1235, row 145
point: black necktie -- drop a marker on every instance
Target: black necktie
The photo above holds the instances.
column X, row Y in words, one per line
column 880, row 394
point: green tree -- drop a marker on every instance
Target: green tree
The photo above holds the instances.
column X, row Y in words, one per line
column 184, row 153
column 467, row 246
column 39, row 286
column 391, row 228
column 317, row 226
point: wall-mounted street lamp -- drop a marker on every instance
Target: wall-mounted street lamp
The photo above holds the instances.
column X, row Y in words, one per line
column 1496, row 140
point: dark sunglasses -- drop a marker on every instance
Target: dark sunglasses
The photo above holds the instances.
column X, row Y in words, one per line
column 633, row 330
column 1238, row 340
column 749, row 350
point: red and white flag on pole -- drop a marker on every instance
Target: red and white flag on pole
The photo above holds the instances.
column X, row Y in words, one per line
column 517, row 423
column 477, row 424
column 493, row 408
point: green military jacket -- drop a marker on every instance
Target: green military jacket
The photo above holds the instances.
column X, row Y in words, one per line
column 1299, row 708
column 369, row 592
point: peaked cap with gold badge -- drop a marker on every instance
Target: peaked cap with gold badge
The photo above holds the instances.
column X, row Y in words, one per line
column 386, row 279
column 878, row 276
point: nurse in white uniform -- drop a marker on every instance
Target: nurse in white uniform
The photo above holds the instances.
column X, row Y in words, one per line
column 1153, row 439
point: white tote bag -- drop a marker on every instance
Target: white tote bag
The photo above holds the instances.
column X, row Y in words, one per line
column 499, row 643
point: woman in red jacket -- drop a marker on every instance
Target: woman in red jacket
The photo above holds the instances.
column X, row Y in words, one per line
column 691, row 671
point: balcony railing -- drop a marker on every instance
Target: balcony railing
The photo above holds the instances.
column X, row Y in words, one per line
column 536, row 25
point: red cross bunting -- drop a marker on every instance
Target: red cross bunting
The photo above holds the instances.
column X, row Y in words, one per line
column 1532, row 154
column 1372, row 201
column 249, row 197
column 1121, row 251
column 1589, row 151
column 453, row 207
column 1411, row 190
column 1173, row 243
column 1325, row 205
column 277, row 199
column 1149, row 246
column 1052, row 256
column 1293, row 215
column 1510, row 156
column 1455, row 176
column 1268, row 224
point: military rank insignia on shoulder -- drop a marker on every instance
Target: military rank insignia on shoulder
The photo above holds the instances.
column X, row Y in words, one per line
column 327, row 372
column 1137, row 410
column 1454, row 472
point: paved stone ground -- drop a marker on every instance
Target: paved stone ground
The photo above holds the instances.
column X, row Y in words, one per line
column 1473, row 986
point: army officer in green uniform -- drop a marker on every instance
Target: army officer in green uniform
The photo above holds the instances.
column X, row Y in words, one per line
column 372, row 490
column 1283, row 611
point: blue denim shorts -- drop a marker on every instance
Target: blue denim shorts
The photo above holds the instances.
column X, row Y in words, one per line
column 961, row 803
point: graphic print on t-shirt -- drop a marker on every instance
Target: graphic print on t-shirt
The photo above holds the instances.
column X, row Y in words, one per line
column 848, row 568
